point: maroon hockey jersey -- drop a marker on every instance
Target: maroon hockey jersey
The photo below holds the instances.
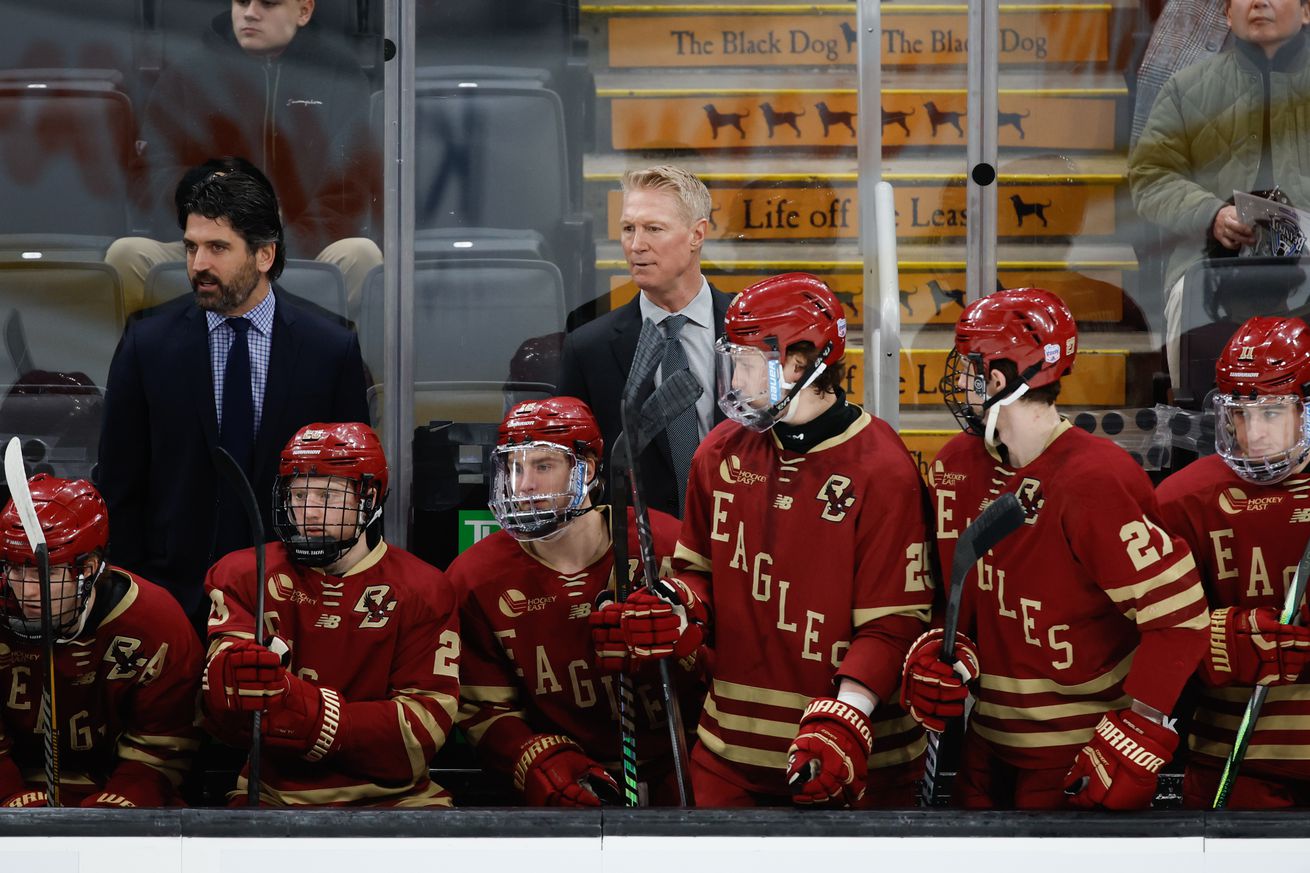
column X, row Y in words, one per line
column 1091, row 603
column 385, row 636
column 1247, row 540
column 125, row 696
column 528, row 663
column 814, row 567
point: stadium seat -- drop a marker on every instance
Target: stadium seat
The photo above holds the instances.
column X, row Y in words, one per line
column 54, row 177
column 1218, row 296
column 476, row 168
column 317, row 282
column 83, row 34
column 472, row 320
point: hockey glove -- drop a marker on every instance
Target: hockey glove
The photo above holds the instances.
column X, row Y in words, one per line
column 666, row 620
column 931, row 691
column 606, row 619
column 240, row 677
column 304, row 718
column 1250, row 647
column 1117, row 769
column 26, row 800
column 107, row 800
column 553, row 771
column 828, row 762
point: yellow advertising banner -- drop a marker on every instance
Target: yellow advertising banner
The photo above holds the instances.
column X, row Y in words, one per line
column 1097, row 379
column 927, row 36
column 792, row 119
column 821, row 211
column 936, row 296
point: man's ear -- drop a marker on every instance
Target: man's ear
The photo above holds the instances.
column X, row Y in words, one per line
column 306, row 12
column 996, row 382
column 264, row 256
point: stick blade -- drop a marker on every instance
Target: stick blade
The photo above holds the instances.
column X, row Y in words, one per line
column 16, row 478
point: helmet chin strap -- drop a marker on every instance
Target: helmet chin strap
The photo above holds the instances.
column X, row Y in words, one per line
column 794, row 389
column 994, row 413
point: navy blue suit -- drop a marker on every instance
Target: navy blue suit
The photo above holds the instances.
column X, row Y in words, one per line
column 160, row 426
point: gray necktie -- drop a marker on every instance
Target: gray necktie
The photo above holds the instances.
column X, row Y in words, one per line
column 683, row 432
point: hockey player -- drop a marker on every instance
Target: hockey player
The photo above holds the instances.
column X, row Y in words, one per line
column 803, row 556
column 1088, row 619
column 535, row 700
column 359, row 680
column 1245, row 515
column 127, row 664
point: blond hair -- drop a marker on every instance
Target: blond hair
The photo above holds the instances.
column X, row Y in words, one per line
column 692, row 196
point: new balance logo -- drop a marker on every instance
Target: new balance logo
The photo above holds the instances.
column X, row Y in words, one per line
column 580, row 610
column 330, row 622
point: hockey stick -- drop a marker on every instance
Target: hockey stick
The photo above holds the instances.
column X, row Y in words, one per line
column 1246, row 728
column 668, row 402
column 16, row 476
column 1000, row 519
column 679, row 394
column 231, row 473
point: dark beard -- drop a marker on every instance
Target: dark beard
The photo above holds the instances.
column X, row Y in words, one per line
column 230, row 294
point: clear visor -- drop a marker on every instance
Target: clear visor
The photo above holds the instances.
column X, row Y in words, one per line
column 752, row 390
column 1263, row 439
column 537, row 488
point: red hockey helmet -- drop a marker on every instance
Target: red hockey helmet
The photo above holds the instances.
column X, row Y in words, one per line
column 75, row 522
column 540, row 480
column 1030, row 327
column 349, row 455
column 1262, row 377
column 762, row 323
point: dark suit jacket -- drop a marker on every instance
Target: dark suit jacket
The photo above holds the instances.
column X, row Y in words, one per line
column 160, row 426
column 594, row 367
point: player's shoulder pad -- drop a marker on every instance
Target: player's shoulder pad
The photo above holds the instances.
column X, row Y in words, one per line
column 1197, row 480
column 483, row 561
column 1093, row 466
column 147, row 610
column 412, row 573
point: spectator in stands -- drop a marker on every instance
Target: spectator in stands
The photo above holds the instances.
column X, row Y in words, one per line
column 1186, row 32
column 1235, row 122
column 266, row 82
column 666, row 211
column 240, row 366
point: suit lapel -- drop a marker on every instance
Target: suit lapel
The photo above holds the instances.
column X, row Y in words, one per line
column 623, row 342
column 197, row 372
column 281, row 372
column 721, row 301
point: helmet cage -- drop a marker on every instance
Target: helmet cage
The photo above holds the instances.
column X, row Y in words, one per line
column 1268, row 469
column 971, row 370
column 540, row 515
column 23, row 627
column 294, row 496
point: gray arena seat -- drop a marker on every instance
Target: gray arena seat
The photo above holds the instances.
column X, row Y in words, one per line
column 320, row 283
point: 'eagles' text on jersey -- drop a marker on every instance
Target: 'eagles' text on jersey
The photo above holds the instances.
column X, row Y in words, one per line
column 815, row 567
column 1091, row 603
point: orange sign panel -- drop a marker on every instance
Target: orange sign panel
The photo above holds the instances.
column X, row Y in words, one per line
column 923, row 209
column 1097, row 379
column 786, row 120
column 928, row 36
column 936, row 297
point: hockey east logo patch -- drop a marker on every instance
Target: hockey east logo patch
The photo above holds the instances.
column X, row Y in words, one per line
column 1233, row 501
column 730, row 471
column 514, row 603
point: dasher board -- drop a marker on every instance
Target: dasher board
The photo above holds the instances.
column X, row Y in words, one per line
column 935, row 296
column 921, row 36
column 1097, row 378
column 795, row 119
column 923, row 209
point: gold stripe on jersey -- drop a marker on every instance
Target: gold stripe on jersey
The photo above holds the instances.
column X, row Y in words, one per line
column 1038, row 740
column 1050, row 711
column 433, row 797
column 741, row 754
column 173, row 769
column 418, row 759
column 425, row 717
column 1101, row 683
column 1139, row 590
column 1264, row 723
column 488, row 693
column 766, row 696
column 164, row 741
column 1199, row 620
column 475, row 732
column 694, row 560
column 363, row 791
column 746, row 724
column 899, row 755
column 369, row 561
column 1256, row 751
column 120, row 607
column 856, row 426
column 861, row 617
